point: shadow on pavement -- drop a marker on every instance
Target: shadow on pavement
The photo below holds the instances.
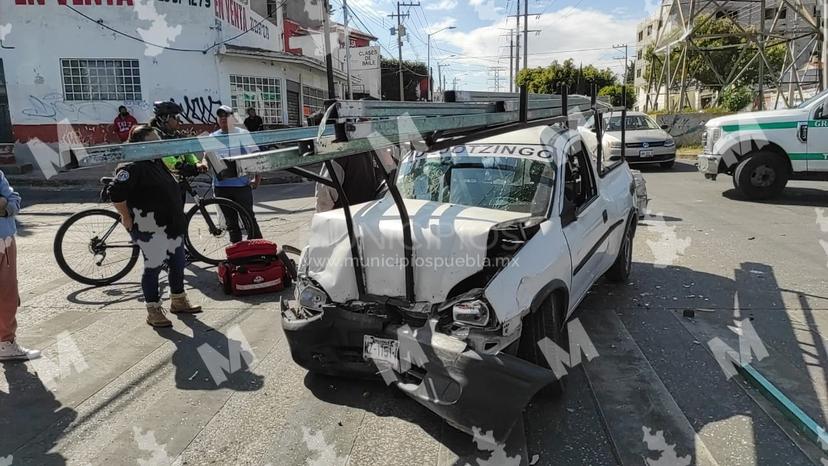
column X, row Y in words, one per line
column 679, row 167
column 792, row 196
column 210, row 359
column 28, row 413
column 107, row 295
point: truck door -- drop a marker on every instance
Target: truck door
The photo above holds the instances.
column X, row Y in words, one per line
column 817, row 155
column 584, row 221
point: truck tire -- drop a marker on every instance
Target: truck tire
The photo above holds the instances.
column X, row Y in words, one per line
column 761, row 176
column 621, row 268
column 545, row 322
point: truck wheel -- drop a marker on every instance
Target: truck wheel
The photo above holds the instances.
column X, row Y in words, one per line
column 544, row 323
column 621, row 268
column 761, row 176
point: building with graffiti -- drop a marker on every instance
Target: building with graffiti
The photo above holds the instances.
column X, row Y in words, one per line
column 72, row 63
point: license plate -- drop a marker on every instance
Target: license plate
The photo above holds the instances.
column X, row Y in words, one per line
column 645, row 153
column 382, row 351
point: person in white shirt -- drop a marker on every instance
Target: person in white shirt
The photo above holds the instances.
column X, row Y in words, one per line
column 239, row 189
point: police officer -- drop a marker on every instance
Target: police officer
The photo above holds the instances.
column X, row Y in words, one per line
column 149, row 200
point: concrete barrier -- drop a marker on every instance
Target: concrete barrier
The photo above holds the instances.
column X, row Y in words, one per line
column 686, row 128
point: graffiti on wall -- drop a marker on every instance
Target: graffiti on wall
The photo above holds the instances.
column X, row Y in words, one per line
column 200, row 109
column 51, row 106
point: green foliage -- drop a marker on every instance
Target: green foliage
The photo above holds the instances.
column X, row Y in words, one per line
column 735, row 99
column 543, row 80
column 413, row 73
column 616, row 94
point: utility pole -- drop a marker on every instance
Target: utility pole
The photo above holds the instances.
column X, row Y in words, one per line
column 347, row 48
column 440, row 80
column 495, row 70
column 326, row 29
column 454, row 83
column 525, row 33
column 511, row 56
column 624, row 83
column 761, row 62
column 400, row 34
column 517, row 46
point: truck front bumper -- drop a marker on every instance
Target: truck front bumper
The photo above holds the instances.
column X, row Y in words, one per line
column 470, row 390
column 709, row 165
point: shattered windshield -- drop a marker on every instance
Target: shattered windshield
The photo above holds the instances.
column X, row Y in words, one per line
column 512, row 183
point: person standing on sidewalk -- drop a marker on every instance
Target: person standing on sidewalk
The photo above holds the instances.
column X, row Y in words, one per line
column 148, row 198
column 239, row 189
column 10, row 350
column 123, row 123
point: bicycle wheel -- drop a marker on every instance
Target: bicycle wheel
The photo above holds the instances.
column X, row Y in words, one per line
column 92, row 248
column 207, row 232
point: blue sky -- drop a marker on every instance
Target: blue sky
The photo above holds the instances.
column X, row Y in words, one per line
column 584, row 30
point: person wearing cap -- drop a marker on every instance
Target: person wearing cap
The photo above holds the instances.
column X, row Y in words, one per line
column 239, row 189
column 123, row 123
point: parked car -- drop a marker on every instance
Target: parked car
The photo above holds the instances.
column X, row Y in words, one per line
column 509, row 233
column 763, row 150
column 646, row 141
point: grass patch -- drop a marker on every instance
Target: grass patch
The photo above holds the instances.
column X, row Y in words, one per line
column 688, row 152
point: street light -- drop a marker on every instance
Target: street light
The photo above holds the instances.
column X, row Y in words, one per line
column 428, row 46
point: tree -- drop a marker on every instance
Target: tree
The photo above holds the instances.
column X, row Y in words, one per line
column 736, row 98
column 413, row 74
column 545, row 80
column 616, row 95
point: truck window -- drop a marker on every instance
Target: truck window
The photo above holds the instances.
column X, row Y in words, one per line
column 579, row 179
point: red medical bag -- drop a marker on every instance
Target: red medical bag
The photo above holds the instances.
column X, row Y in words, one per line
column 253, row 267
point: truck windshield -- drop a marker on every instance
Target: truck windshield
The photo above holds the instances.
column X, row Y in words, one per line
column 634, row 123
column 512, row 183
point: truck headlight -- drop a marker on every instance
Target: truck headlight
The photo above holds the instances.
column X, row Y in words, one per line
column 670, row 143
column 312, row 297
column 471, row 313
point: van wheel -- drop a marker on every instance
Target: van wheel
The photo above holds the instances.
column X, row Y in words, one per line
column 761, row 176
column 621, row 268
column 545, row 322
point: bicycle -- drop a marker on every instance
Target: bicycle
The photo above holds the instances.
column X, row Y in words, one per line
column 91, row 247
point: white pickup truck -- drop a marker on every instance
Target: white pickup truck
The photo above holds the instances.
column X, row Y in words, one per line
column 509, row 233
column 763, row 150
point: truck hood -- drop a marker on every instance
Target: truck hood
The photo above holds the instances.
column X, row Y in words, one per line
column 450, row 244
column 792, row 114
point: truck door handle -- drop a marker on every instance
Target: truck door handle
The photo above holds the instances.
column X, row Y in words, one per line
column 604, row 214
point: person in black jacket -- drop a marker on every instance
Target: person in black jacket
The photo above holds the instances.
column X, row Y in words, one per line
column 148, row 198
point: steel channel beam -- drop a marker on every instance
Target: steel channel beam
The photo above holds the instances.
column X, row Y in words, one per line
column 382, row 109
column 118, row 153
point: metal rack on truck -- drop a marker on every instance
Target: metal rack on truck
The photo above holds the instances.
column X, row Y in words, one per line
column 362, row 127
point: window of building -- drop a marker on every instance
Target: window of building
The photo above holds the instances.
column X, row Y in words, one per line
column 313, row 100
column 638, row 73
column 640, row 54
column 104, row 79
column 263, row 94
column 640, row 36
column 649, row 30
column 660, row 23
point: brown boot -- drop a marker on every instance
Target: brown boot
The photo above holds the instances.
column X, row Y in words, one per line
column 156, row 317
column 179, row 304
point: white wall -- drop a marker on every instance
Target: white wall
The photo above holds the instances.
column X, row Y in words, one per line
column 43, row 34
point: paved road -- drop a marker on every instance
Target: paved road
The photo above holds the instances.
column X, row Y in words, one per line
column 113, row 391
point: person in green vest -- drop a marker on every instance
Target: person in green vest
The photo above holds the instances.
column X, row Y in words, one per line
column 167, row 123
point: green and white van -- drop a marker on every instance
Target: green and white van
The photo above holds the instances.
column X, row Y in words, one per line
column 763, row 150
